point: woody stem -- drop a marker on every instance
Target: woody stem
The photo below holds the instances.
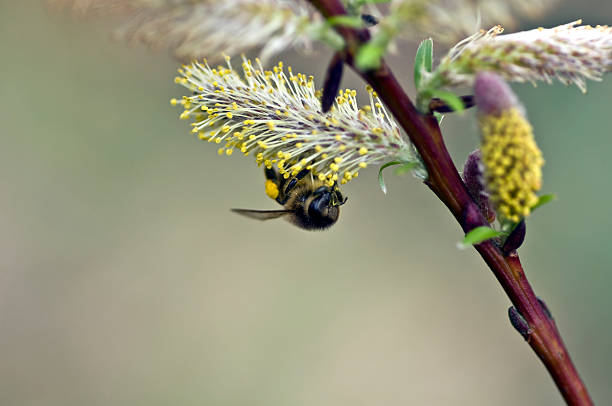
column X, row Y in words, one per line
column 444, row 180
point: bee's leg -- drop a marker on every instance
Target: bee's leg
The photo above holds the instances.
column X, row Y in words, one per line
column 274, row 184
column 294, row 181
column 271, row 174
column 338, row 199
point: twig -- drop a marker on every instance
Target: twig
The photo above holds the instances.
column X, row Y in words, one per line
column 541, row 332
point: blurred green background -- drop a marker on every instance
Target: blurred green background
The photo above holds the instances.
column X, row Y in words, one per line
column 125, row 280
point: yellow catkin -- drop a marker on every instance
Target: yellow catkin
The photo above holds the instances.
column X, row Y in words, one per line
column 276, row 118
column 513, row 163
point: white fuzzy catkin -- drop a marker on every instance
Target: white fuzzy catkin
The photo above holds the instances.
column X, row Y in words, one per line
column 570, row 53
column 208, row 28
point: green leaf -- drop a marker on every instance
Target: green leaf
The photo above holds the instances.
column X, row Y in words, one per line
column 480, row 234
column 369, row 55
column 450, row 98
column 423, row 61
column 346, row 21
column 326, row 34
column 381, row 181
column 405, row 168
column 544, row 199
column 439, row 117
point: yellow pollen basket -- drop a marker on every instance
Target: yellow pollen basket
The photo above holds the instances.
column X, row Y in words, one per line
column 271, row 189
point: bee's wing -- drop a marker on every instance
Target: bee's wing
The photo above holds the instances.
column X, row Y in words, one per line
column 262, row 214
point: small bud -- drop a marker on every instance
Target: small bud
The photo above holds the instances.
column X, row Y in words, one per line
column 369, row 20
column 332, row 82
column 439, row 106
column 545, row 308
column 472, row 217
column 519, row 323
column 474, row 181
column 515, row 239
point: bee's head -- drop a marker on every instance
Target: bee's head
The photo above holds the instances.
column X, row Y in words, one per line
column 323, row 207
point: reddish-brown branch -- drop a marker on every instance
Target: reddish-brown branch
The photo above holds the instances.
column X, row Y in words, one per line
column 445, row 182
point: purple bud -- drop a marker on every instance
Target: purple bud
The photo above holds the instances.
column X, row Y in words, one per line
column 474, row 181
column 515, row 239
column 493, row 95
column 545, row 308
column 519, row 323
column 332, row 82
column 472, row 217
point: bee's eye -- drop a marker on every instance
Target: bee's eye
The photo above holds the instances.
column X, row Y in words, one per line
column 320, row 190
column 319, row 206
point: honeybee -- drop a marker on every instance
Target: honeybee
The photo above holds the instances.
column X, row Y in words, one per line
column 309, row 203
